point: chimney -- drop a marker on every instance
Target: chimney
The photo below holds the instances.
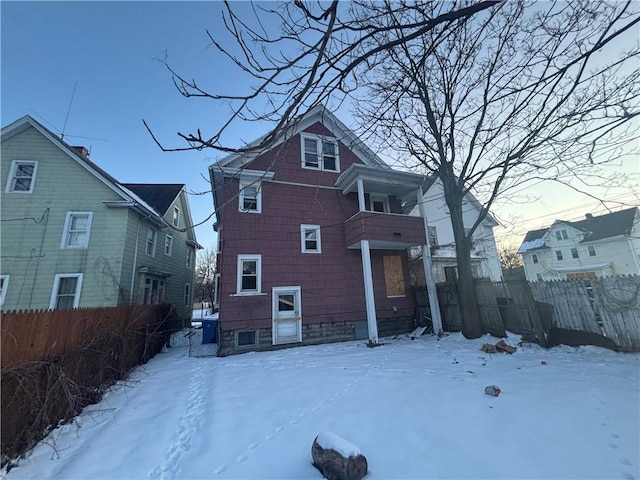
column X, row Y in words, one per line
column 82, row 151
column 588, row 216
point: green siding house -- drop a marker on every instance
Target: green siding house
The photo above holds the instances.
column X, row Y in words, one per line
column 72, row 236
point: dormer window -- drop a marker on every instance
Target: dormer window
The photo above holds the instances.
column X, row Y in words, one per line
column 561, row 234
column 319, row 153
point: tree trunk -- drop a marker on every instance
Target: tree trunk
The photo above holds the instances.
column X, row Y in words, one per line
column 469, row 311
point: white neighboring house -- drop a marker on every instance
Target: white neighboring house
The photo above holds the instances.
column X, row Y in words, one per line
column 485, row 262
column 601, row 246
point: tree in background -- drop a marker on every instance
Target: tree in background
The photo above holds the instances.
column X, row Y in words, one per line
column 488, row 96
column 205, row 275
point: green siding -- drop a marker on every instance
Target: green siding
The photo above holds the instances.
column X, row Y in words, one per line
column 32, row 227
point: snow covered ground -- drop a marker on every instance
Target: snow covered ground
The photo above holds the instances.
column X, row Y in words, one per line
column 416, row 409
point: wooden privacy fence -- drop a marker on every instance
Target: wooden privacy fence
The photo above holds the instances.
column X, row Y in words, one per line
column 607, row 306
column 28, row 336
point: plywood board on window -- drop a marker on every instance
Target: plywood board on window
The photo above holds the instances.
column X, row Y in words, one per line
column 393, row 275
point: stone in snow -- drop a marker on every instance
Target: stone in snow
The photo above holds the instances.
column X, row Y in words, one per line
column 337, row 458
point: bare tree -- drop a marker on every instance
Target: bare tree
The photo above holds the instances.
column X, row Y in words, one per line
column 509, row 257
column 517, row 94
column 313, row 56
column 205, row 275
column 486, row 95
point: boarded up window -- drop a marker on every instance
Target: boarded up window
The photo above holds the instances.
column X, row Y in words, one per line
column 393, row 275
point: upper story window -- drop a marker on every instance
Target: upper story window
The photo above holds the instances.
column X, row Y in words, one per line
column 592, row 250
column 310, row 238
column 22, row 176
column 534, row 257
column 320, row 153
column 250, row 196
column 559, row 254
column 176, row 217
column 433, row 236
column 189, row 258
column 574, row 253
column 66, row 290
column 77, row 227
column 168, row 245
column 4, row 284
column 249, row 274
column 379, row 203
column 152, row 235
column 561, row 235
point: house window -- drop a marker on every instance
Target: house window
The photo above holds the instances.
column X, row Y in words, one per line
column 187, row 294
column 168, row 245
column 559, row 254
column 539, row 276
column 310, row 238
column 574, row 253
column 250, row 196
column 433, row 236
column 216, row 289
column 189, row 257
column 176, row 217
column 561, row 234
column 246, row 338
column 534, row 257
column 592, row 250
column 249, row 274
column 451, row 274
column 152, row 234
column 320, row 153
column 4, row 284
column 393, row 275
column 153, row 291
column 77, row 226
column 66, row 291
column 22, row 177
column 379, row 203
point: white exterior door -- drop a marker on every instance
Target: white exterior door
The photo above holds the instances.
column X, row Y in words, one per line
column 287, row 315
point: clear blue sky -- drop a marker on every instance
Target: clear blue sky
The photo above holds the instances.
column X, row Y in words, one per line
column 111, row 49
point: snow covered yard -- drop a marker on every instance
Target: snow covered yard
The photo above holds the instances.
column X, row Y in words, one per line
column 416, row 409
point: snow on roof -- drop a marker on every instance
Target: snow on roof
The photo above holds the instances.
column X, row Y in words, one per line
column 531, row 244
column 330, row 440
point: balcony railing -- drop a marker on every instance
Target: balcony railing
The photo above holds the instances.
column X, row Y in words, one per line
column 384, row 230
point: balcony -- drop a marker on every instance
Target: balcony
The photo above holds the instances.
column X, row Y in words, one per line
column 387, row 231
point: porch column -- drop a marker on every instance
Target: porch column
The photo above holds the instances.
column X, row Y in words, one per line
column 362, row 206
column 434, row 304
column 368, row 291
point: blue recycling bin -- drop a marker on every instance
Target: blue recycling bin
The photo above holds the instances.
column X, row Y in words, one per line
column 209, row 329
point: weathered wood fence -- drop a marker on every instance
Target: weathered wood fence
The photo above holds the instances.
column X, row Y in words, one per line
column 606, row 306
column 55, row 362
column 27, row 336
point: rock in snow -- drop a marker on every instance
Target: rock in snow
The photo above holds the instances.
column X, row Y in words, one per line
column 337, row 458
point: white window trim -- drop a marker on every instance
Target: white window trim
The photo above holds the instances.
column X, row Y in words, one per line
column 56, row 285
column 175, row 220
column 67, row 225
column 168, row 241
column 319, row 139
column 304, row 228
column 5, row 286
column 12, row 172
column 189, row 258
column 383, row 198
column 250, row 183
column 258, row 259
column 188, row 296
column 155, row 242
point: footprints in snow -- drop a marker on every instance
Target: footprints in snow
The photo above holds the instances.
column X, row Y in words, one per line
column 613, row 445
